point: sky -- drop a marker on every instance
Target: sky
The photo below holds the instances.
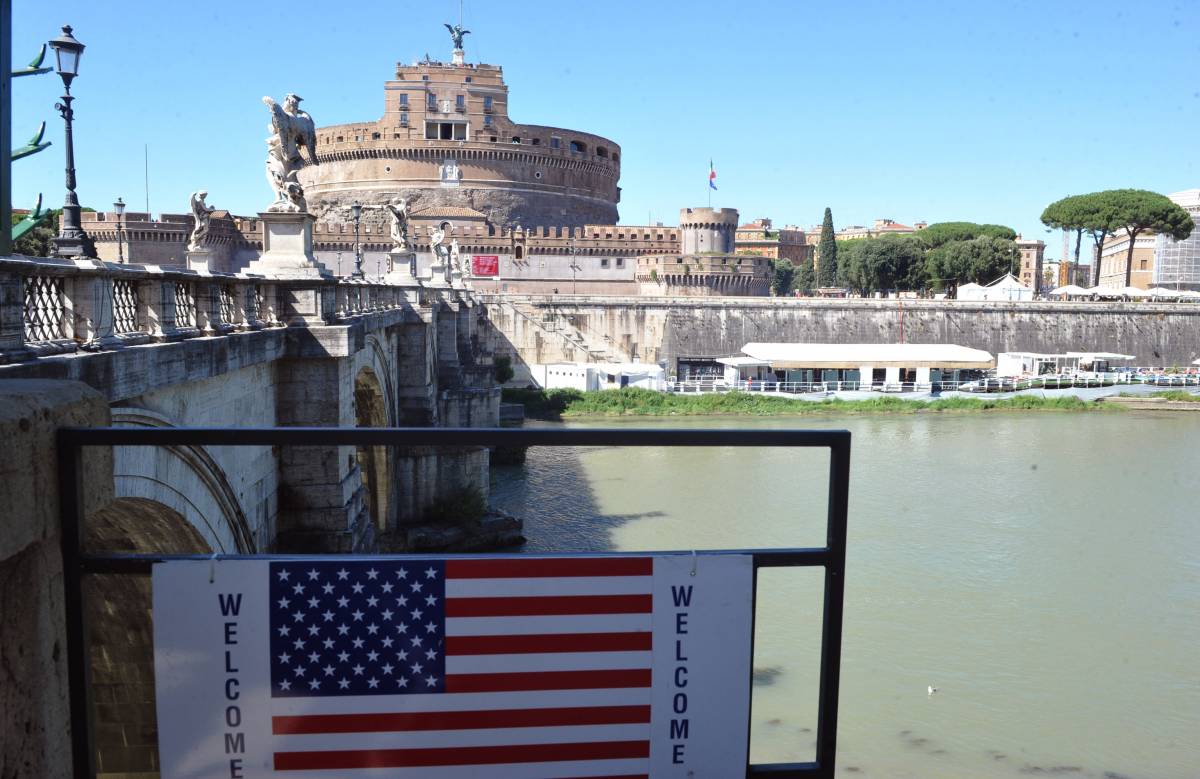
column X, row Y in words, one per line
column 919, row 110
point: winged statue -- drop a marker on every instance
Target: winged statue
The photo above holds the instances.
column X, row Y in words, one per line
column 456, row 34
column 291, row 130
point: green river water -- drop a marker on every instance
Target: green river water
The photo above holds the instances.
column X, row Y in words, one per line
column 1042, row 570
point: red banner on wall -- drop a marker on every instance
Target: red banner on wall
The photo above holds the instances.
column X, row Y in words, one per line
column 485, row 265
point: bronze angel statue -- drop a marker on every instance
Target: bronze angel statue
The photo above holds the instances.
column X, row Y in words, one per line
column 291, row 129
column 457, row 33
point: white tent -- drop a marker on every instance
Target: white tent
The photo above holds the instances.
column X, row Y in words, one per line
column 1070, row 289
column 1006, row 288
column 1133, row 292
column 1162, row 292
column 971, row 291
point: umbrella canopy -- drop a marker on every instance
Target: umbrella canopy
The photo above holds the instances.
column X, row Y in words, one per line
column 1133, row 292
column 1070, row 289
column 1163, row 292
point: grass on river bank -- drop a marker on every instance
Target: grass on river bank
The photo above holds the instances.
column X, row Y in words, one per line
column 560, row 403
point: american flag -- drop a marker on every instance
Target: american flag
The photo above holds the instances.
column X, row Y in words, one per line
column 463, row 667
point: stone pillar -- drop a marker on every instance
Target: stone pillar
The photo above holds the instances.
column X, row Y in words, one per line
column 35, row 726
column 288, row 247
column 322, row 503
column 12, row 318
column 199, row 260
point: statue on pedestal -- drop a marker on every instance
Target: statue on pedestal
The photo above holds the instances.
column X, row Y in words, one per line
column 399, row 229
column 201, row 216
column 290, row 130
column 457, row 33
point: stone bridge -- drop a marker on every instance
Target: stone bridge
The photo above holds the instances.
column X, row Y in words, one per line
column 91, row 343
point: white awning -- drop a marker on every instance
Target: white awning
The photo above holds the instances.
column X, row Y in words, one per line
column 742, row 362
column 1070, row 289
column 792, row 355
column 1109, row 356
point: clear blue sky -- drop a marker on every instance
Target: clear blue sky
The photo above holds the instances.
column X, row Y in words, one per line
column 911, row 110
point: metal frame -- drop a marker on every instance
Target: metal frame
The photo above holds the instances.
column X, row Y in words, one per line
column 831, row 557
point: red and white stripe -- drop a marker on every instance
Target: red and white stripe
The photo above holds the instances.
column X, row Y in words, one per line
column 547, row 675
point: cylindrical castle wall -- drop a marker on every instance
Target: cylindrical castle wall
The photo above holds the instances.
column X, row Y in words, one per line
column 525, row 186
column 707, row 230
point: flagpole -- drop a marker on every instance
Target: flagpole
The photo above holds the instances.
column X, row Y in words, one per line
column 709, row 187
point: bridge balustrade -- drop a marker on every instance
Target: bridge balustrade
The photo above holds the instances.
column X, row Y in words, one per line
column 53, row 306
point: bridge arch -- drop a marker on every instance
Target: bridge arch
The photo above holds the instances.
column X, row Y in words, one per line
column 372, row 409
column 186, row 479
column 121, row 632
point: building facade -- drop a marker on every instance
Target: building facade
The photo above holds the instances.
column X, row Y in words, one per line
column 1177, row 263
column 1032, row 257
column 762, row 239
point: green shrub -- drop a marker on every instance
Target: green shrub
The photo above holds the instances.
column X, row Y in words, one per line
column 463, row 506
column 504, row 370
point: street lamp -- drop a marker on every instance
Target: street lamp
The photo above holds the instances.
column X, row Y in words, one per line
column 119, row 207
column 356, row 212
column 71, row 240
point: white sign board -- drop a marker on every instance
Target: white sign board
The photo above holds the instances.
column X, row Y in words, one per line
column 462, row 667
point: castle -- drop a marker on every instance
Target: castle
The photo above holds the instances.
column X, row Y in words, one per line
column 534, row 207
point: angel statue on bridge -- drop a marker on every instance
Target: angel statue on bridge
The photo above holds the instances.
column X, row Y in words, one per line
column 290, row 129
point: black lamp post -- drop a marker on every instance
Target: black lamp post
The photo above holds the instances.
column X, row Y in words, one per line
column 356, row 211
column 71, row 240
column 119, row 207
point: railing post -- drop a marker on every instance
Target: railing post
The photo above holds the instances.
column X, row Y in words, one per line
column 207, row 295
column 91, row 307
column 12, row 318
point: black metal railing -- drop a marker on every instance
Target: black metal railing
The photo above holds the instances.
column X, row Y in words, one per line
column 831, row 556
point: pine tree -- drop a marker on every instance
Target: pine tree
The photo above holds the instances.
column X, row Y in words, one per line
column 827, row 254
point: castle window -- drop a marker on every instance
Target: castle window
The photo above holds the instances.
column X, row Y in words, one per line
column 536, row 141
column 487, row 121
column 374, row 136
column 555, row 142
column 460, row 103
column 601, row 152
column 492, row 139
column 431, row 102
column 517, row 140
column 340, row 139
column 620, row 262
column 404, row 100
column 604, row 263
column 424, row 78
column 616, row 157
column 403, row 120
column 519, row 252
column 578, row 147
column 487, row 102
column 468, row 79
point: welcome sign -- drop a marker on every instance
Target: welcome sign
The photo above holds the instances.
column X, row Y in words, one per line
column 515, row 666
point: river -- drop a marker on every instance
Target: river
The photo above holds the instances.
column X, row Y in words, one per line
column 1042, row 570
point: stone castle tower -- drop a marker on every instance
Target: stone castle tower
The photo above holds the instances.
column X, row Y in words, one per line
column 445, row 140
column 707, row 230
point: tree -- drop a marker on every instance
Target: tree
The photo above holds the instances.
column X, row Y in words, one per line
column 827, row 249
column 38, row 242
column 1067, row 214
column 942, row 233
column 978, row 260
column 806, row 277
column 785, row 274
column 885, row 263
column 1137, row 210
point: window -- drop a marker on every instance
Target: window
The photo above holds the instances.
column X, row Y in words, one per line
column 424, row 78
column 536, row 141
column 517, row 140
column 431, row 131
column 620, row 262
column 487, row 102
column 487, row 121
column 374, row 136
column 492, row 139
column 431, row 102
column 467, row 79
column 616, row 157
column 460, row 103
column 604, row 263
column 519, row 252
column 404, row 120
column 446, row 131
column 601, row 152
column 404, row 100
column 555, row 142
column 340, row 139
column 578, row 147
